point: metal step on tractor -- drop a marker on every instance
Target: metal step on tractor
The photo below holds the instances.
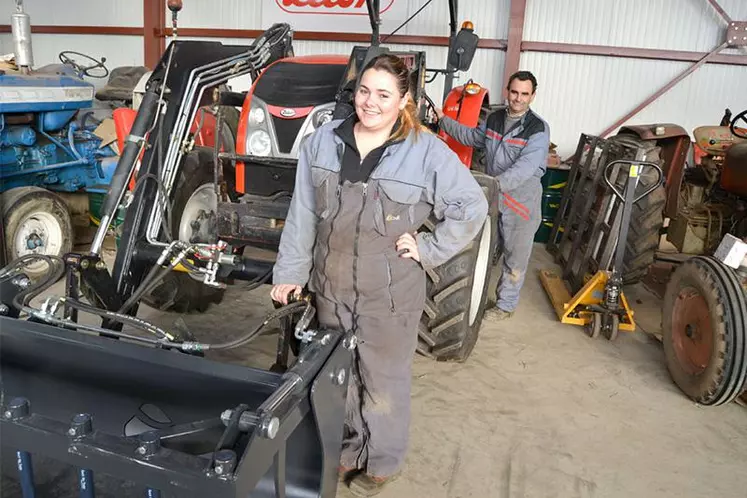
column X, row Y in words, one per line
column 149, row 410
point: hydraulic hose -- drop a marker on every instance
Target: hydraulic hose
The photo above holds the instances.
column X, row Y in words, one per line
column 288, row 309
column 118, row 317
column 157, row 273
column 56, row 269
column 167, row 339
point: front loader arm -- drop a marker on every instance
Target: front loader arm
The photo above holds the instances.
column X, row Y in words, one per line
column 179, row 85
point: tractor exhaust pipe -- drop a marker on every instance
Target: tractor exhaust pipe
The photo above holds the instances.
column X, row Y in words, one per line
column 126, row 165
column 20, row 23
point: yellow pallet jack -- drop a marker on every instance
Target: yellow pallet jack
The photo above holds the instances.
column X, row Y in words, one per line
column 600, row 305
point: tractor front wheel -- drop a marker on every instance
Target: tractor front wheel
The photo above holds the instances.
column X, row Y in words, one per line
column 36, row 221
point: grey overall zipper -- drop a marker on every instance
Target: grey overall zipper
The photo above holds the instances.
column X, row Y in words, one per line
column 362, row 389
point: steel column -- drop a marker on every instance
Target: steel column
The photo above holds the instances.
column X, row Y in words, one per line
column 515, row 35
column 154, row 22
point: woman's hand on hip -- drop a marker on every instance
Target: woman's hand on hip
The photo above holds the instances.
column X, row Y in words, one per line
column 280, row 292
column 407, row 247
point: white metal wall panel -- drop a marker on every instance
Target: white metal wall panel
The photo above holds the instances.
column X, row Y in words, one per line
column 77, row 12
column 118, row 50
column 581, row 93
column 657, row 24
column 6, row 43
column 228, row 14
column 490, row 17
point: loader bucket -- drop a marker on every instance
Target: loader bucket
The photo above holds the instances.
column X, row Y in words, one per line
column 83, row 411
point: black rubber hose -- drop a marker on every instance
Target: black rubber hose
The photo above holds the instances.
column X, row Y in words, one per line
column 56, row 269
column 118, row 317
column 155, row 275
column 288, row 309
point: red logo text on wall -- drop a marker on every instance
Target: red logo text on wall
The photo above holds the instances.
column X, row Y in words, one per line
column 329, row 7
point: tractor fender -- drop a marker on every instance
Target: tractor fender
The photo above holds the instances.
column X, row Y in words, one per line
column 675, row 144
column 648, row 132
column 464, row 107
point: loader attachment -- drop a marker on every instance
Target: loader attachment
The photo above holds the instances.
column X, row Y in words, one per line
column 81, row 410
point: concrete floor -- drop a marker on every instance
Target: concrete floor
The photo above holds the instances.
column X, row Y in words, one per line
column 541, row 410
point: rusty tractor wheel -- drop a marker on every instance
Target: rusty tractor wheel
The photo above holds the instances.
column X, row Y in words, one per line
column 704, row 333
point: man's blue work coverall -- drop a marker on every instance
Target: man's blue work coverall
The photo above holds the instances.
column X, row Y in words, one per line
column 517, row 158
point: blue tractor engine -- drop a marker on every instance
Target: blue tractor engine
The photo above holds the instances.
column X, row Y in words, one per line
column 45, row 138
column 48, row 149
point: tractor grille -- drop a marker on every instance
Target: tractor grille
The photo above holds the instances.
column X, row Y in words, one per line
column 287, row 131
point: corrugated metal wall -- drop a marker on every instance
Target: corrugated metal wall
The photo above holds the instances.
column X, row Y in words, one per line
column 118, row 50
column 489, row 17
column 584, row 93
column 577, row 93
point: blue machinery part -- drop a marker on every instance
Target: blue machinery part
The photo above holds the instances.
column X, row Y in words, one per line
column 41, row 143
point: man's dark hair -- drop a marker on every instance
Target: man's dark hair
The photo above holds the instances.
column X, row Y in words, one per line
column 523, row 76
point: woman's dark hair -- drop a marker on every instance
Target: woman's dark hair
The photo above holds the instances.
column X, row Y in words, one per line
column 396, row 67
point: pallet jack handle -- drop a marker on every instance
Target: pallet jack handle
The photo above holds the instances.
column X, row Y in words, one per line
column 634, row 171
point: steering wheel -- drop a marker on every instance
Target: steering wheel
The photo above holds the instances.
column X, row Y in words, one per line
column 84, row 70
column 733, row 126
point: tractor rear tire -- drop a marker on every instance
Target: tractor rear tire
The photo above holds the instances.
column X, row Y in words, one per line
column 704, row 322
column 643, row 235
column 457, row 291
column 179, row 291
column 33, row 214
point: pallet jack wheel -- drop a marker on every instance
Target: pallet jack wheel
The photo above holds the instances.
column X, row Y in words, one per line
column 594, row 327
column 612, row 328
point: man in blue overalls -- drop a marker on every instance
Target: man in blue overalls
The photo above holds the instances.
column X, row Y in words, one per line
column 516, row 142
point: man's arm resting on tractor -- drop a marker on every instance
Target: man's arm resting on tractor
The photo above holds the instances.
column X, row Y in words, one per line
column 472, row 137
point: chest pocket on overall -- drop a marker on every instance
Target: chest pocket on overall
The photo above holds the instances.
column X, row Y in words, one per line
column 513, row 147
column 325, row 185
column 395, row 207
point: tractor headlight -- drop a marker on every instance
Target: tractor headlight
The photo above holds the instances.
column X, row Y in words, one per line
column 322, row 117
column 259, row 143
column 256, row 116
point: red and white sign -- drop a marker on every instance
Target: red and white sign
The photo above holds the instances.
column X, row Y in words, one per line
column 349, row 16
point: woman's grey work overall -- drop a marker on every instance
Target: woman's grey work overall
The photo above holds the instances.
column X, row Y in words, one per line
column 340, row 237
